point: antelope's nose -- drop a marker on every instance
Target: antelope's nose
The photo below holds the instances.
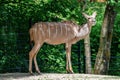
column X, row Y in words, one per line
column 94, row 21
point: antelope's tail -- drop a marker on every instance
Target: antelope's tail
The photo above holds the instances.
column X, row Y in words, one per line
column 31, row 32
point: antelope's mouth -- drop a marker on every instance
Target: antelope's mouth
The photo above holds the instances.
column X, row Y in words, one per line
column 93, row 22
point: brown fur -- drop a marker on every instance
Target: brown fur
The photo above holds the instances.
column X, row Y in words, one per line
column 57, row 33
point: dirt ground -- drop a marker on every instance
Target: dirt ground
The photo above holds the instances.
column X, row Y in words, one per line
column 55, row 76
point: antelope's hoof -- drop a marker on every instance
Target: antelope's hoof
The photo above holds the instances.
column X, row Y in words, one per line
column 39, row 72
column 70, row 72
column 31, row 73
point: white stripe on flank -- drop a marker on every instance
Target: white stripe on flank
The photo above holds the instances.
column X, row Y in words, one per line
column 41, row 30
column 56, row 31
column 48, row 29
column 61, row 28
column 66, row 29
column 66, row 32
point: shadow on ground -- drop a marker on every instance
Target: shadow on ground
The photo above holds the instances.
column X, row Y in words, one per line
column 10, row 76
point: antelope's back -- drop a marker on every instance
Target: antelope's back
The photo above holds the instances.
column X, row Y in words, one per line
column 53, row 32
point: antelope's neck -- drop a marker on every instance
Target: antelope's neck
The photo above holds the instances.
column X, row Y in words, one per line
column 89, row 25
column 84, row 31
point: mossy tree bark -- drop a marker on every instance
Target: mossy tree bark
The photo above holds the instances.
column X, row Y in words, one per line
column 103, row 55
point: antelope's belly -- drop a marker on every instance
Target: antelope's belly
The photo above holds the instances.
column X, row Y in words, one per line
column 56, row 41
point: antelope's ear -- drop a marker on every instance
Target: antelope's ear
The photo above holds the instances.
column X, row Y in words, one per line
column 94, row 14
column 85, row 15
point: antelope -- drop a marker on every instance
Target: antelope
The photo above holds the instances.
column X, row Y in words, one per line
column 57, row 33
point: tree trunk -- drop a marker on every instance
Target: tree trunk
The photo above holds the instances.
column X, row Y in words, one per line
column 97, row 0
column 88, row 67
column 87, row 55
column 103, row 55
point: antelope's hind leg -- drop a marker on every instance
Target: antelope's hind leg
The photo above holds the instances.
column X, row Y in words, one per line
column 35, row 61
column 33, row 54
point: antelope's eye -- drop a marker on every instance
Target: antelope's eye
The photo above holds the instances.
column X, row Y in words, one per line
column 88, row 18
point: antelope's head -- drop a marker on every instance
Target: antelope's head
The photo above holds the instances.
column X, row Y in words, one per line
column 90, row 19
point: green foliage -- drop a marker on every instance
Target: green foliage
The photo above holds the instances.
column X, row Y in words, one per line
column 14, row 24
column 115, row 48
column 52, row 57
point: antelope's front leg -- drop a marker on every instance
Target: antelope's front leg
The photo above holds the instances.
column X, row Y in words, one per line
column 68, row 59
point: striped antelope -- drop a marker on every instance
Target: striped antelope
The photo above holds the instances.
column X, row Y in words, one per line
column 57, row 33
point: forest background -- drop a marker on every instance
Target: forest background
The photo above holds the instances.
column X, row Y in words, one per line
column 16, row 17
